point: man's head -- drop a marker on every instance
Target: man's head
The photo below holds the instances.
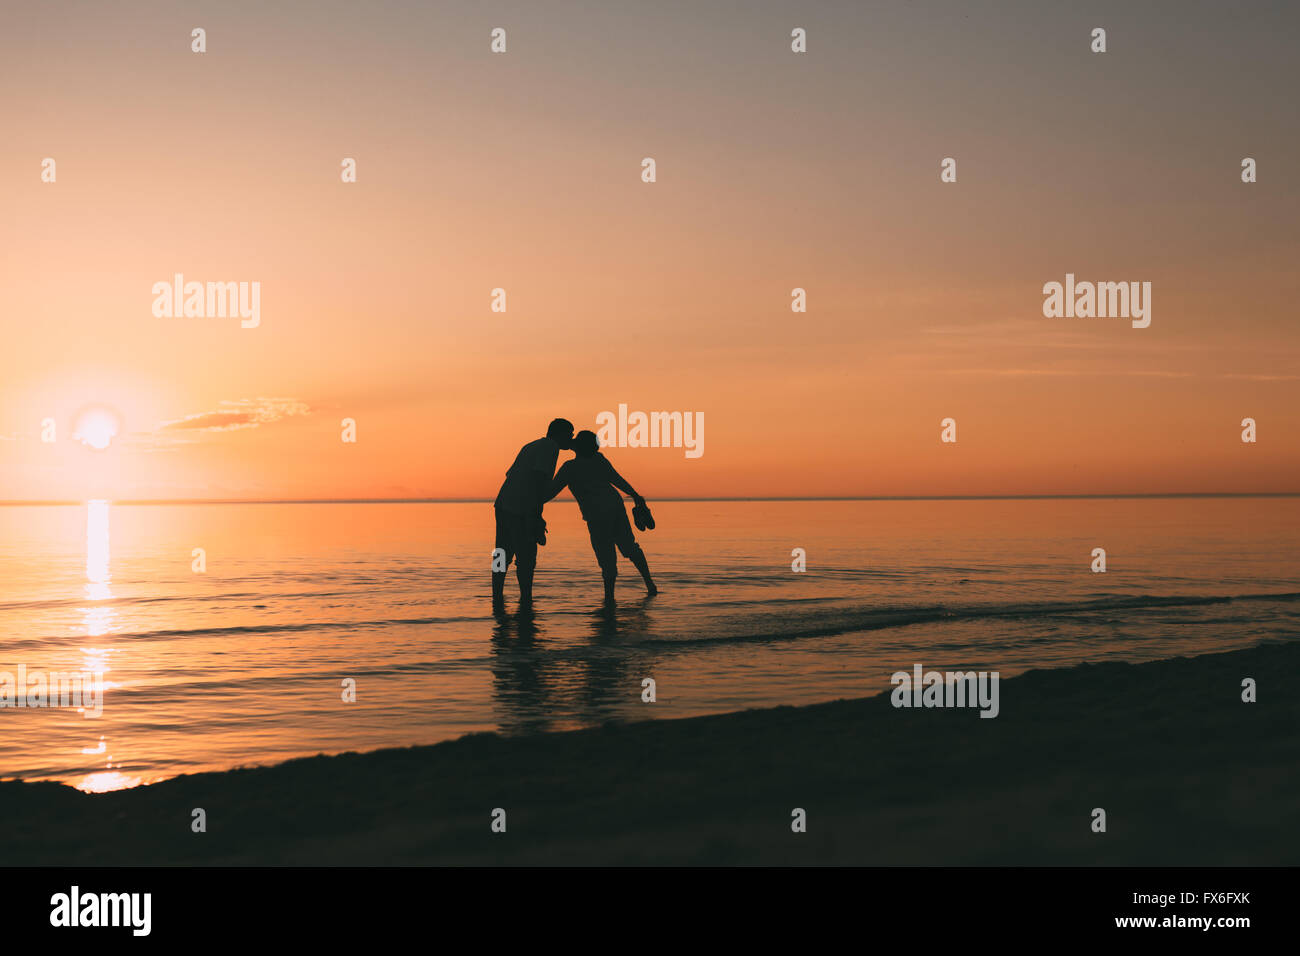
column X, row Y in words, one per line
column 585, row 444
column 560, row 431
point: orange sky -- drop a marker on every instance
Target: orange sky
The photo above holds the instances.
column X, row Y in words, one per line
column 522, row 171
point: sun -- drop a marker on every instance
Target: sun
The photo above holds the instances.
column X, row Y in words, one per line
column 96, row 427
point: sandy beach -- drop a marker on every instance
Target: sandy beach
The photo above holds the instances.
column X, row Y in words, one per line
column 1188, row 775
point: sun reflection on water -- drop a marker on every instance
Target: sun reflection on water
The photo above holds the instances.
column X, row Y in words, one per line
column 98, row 621
column 107, row 780
column 98, row 576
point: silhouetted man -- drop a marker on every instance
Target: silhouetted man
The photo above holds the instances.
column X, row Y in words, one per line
column 519, row 509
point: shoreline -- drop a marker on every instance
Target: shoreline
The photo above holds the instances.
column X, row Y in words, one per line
column 1188, row 775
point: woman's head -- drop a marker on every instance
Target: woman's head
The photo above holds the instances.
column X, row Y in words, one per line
column 585, row 444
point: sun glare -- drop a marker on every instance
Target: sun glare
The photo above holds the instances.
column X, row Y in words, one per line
column 96, row 428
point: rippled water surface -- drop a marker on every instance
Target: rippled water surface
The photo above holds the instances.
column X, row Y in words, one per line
column 246, row 662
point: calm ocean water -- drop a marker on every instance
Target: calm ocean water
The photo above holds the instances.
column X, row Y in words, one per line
column 244, row 664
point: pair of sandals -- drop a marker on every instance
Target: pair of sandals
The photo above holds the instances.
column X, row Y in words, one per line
column 642, row 517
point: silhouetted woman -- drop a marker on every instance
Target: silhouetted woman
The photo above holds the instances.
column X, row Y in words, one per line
column 593, row 481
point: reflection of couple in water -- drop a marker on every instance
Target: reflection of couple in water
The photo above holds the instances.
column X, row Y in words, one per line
column 532, row 481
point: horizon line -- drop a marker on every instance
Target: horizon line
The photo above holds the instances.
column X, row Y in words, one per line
column 387, row 501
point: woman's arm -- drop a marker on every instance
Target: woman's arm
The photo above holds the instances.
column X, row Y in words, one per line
column 556, row 485
column 621, row 483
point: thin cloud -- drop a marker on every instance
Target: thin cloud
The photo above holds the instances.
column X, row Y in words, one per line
column 1141, row 373
column 234, row 414
column 1265, row 378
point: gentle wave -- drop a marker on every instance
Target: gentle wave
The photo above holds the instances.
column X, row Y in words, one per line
column 815, row 622
column 847, row 620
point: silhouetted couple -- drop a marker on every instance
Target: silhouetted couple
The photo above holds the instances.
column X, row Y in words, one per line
column 532, row 481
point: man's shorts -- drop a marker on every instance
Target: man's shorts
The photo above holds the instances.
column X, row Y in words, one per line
column 517, row 536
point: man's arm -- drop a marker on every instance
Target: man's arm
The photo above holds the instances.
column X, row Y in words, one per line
column 541, row 471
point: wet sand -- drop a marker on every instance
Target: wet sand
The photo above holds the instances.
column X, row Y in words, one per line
column 1187, row 773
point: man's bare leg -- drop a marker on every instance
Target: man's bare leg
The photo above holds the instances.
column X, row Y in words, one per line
column 524, row 575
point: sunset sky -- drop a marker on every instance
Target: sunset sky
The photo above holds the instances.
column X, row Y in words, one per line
column 775, row 170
